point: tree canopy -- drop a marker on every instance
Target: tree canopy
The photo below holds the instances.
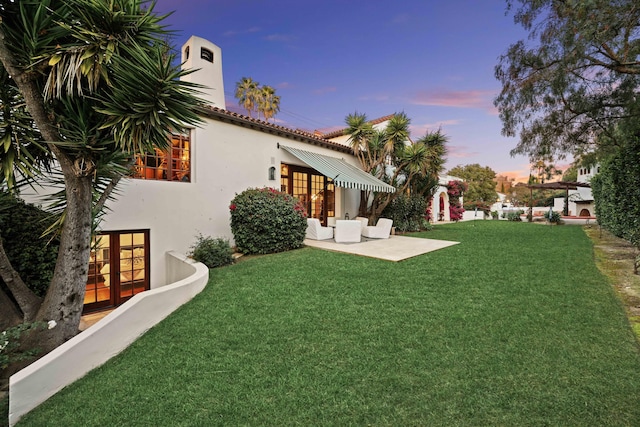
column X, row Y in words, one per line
column 575, row 77
column 257, row 99
column 90, row 84
column 481, row 184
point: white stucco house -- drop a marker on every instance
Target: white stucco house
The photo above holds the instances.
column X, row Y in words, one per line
column 581, row 202
column 184, row 191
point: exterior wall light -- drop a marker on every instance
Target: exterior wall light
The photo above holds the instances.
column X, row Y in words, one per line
column 272, row 173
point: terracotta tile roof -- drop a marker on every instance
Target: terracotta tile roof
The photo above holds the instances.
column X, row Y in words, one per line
column 263, row 126
column 341, row 132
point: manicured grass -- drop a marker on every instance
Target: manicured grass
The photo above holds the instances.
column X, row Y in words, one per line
column 515, row 326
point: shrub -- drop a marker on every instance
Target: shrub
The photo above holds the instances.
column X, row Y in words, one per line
column 212, row 252
column 10, row 348
column 264, row 220
column 32, row 256
column 515, row 216
column 455, row 190
column 409, row 213
column 495, row 215
column 554, row 217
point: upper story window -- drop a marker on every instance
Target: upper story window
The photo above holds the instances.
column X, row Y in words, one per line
column 206, row 54
column 173, row 164
column 186, row 53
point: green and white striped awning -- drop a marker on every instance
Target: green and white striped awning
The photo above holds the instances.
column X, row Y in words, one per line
column 342, row 173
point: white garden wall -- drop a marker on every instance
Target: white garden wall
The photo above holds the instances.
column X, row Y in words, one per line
column 75, row 358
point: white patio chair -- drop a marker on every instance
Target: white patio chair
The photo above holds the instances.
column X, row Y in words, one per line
column 316, row 231
column 363, row 220
column 348, row 231
column 381, row 230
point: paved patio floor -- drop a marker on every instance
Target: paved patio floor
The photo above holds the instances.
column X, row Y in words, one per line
column 395, row 248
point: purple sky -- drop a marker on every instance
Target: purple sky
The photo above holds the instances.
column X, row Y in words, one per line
column 434, row 60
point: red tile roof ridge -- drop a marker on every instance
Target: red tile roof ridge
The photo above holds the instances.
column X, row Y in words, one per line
column 309, row 137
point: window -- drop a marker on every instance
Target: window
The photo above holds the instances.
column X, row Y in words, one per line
column 206, row 54
column 118, row 268
column 171, row 165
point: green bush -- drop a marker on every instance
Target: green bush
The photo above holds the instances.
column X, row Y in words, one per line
column 515, row 216
column 32, row 256
column 407, row 212
column 495, row 215
column 554, row 217
column 264, row 220
column 212, row 252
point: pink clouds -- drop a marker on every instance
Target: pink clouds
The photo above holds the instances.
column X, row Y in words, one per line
column 460, row 152
column 453, row 98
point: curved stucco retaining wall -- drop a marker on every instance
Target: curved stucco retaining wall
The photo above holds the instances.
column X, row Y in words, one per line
column 72, row 360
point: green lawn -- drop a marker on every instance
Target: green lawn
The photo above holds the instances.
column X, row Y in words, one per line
column 513, row 327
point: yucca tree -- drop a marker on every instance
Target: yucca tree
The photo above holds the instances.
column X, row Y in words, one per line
column 426, row 182
column 391, row 156
column 248, row 94
column 269, row 102
column 89, row 84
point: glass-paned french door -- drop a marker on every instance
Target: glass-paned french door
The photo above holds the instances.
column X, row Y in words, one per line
column 118, row 268
column 313, row 189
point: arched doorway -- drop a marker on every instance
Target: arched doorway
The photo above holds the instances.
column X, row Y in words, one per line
column 585, row 212
column 440, row 207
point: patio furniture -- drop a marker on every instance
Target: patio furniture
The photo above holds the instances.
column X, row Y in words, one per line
column 381, row 230
column 347, row 231
column 316, row 231
column 363, row 220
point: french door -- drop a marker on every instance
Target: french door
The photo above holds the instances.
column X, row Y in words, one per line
column 313, row 190
column 118, row 268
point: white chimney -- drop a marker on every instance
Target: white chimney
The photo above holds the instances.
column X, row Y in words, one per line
column 206, row 58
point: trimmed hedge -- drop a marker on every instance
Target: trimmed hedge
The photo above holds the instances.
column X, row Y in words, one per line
column 264, row 220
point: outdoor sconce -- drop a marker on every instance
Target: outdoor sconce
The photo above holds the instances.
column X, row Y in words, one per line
column 272, row 173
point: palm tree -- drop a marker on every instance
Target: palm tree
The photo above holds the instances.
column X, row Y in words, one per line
column 93, row 100
column 269, row 102
column 248, row 94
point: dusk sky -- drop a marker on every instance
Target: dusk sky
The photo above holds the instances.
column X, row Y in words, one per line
column 434, row 60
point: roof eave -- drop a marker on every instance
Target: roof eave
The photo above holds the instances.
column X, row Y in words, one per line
column 270, row 128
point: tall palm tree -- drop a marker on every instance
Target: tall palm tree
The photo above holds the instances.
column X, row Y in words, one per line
column 248, row 94
column 269, row 102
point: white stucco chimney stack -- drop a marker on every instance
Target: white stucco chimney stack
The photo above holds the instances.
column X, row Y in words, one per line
column 206, row 58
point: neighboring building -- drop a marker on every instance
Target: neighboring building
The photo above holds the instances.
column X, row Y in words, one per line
column 581, row 201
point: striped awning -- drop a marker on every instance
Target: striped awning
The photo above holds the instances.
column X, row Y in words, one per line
column 341, row 173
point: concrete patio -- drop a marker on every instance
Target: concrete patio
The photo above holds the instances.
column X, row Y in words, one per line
column 395, row 248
